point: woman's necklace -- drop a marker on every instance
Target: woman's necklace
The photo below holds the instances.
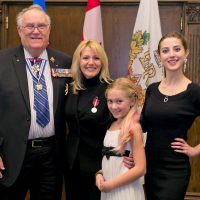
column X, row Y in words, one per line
column 174, row 89
column 168, row 91
column 165, row 99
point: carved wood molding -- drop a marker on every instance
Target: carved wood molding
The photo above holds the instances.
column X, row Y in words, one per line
column 193, row 14
column 192, row 196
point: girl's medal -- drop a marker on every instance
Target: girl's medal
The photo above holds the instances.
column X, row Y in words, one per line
column 95, row 103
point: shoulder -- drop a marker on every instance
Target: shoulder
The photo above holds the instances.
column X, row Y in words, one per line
column 194, row 90
column 7, row 56
column 58, row 54
column 136, row 132
column 104, row 84
column 11, row 51
column 60, row 57
column 194, row 87
column 192, row 95
column 153, row 86
column 136, row 127
column 101, row 87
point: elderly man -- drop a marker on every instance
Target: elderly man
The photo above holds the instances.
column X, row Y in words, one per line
column 32, row 127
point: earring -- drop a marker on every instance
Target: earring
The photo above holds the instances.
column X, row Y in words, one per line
column 184, row 65
column 163, row 68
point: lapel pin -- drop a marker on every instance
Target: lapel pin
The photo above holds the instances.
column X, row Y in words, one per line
column 66, row 89
column 52, row 59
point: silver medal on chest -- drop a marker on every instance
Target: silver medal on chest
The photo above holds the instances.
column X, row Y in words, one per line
column 38, row 86
column 94, row 110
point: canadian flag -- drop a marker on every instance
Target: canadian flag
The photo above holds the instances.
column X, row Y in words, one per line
column 92, row 28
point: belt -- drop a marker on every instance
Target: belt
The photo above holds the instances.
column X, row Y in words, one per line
column 108, row 151
column 41, row 142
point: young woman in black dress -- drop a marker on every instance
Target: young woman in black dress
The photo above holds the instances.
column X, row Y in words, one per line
column 170, row 108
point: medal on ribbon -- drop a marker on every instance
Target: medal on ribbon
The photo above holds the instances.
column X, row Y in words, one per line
column 36, row 68
column 38, row 86
column 95, row 103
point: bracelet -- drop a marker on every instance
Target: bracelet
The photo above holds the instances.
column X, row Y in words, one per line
column 99, row 172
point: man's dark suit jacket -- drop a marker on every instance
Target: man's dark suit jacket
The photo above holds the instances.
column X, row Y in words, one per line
column 15, row 113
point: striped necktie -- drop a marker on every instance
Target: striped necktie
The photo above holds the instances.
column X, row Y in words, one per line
column 41, row 104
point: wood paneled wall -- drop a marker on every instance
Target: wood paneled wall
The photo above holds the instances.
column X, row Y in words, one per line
column 67, row 24
column 118, row 17
column 192, row 33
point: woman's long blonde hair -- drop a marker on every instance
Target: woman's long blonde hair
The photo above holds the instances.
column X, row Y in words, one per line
column 130, row 89
column 76, row 72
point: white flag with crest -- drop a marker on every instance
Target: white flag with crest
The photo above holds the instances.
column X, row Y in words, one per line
column 143, row 66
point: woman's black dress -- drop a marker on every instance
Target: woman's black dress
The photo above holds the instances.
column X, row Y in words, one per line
column 86, row 131
column 168, row 172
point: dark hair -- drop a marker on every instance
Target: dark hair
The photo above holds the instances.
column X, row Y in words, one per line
column 173, row 35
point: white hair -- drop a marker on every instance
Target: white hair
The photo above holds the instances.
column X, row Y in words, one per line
column 19, row 17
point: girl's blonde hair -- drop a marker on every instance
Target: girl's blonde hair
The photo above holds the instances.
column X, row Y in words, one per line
column 130, row 89
column 76, row 71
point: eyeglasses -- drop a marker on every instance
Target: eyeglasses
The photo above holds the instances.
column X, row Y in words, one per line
column 32, row 27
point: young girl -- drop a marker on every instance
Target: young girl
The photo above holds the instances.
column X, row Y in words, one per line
column 123, row 137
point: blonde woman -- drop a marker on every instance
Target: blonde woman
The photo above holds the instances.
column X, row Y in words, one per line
column 87, row 116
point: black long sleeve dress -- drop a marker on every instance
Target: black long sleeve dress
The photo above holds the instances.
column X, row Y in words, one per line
column 168, row 172
column 87, row 129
